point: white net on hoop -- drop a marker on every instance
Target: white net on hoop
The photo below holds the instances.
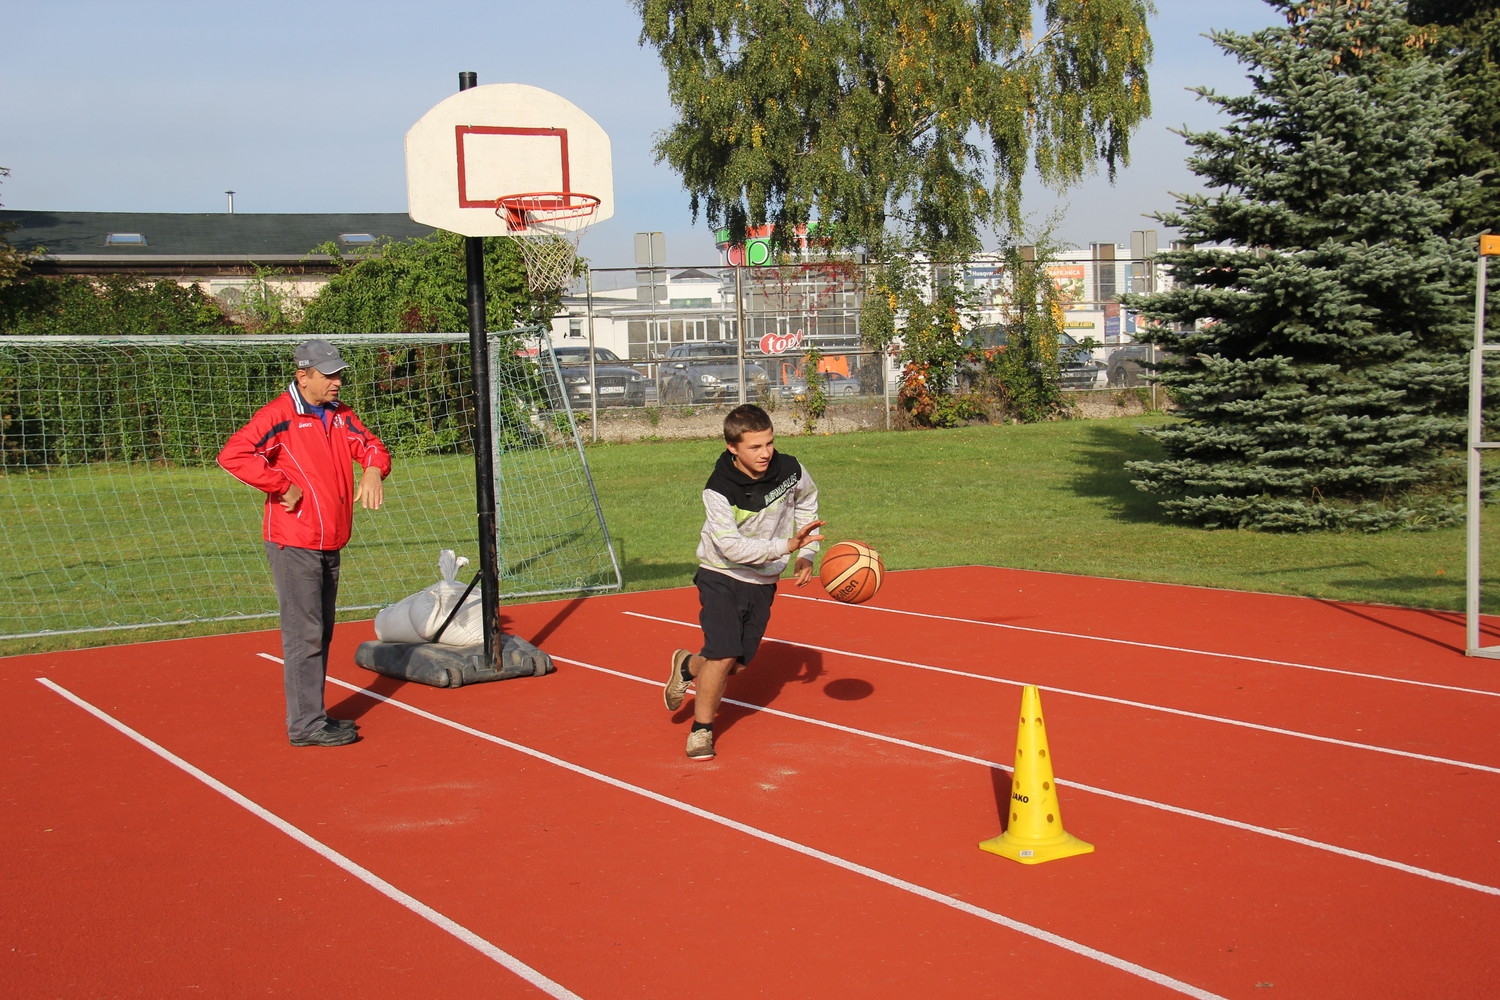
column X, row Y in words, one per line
column 550, row 259
column 546, row 227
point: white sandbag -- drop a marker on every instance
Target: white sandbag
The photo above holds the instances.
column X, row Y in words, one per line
column 467, row 627
column 418, row 617
column 432, row 607
column 393, row 623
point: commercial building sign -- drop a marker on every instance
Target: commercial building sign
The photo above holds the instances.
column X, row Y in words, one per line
column 779, row 343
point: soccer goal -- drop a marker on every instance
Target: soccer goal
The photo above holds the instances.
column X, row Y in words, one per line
column 117, row 516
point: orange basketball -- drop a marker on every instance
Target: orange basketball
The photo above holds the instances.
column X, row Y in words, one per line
column 851, row 572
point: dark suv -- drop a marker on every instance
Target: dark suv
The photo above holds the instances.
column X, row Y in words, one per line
column 1127, row 364
column 615, row 383
column 1076, row 367
column 706, row 373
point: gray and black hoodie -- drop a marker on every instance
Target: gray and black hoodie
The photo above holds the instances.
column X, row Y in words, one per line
column 749, row 522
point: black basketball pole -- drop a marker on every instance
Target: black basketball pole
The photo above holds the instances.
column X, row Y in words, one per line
column 484, row 456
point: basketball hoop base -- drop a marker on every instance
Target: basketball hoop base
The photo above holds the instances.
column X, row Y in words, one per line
column 452, row 666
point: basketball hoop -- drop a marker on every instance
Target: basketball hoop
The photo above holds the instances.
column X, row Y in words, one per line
column 546, row 227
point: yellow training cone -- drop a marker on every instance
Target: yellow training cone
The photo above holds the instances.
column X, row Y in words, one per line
column 1035, row 832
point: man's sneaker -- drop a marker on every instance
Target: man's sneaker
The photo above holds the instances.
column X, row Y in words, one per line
column 676, row 688
column 700, row 744
column 342, row 723
column 329, row 736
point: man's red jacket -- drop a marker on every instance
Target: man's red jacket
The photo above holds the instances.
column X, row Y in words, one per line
column 286, row 443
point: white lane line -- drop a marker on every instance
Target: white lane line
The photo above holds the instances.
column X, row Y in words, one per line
column 1234, row 824
column 1144, row 706
column 1010, row 923
column 379, row 884
column 1148, row 645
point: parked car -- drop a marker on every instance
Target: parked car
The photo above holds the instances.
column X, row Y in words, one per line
column 834, row 384
column 707, row 372
column 1127, row 364
column 1076, row 366
column 615, row 383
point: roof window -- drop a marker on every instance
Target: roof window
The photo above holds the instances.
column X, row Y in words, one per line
column 124, row 239
column 356, row 239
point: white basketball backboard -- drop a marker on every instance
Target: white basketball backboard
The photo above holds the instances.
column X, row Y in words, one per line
column 502, row 139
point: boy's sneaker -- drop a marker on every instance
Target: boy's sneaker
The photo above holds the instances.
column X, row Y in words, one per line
column 676, row 688
column 329, row 736
column 700, row 744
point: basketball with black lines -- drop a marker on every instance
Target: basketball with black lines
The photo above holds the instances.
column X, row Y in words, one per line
column 851, row 572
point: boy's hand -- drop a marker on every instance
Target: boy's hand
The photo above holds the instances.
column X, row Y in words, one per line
column 804, row 571
column 804, row 536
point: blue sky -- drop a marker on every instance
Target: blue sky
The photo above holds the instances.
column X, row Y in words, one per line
column 163, row 105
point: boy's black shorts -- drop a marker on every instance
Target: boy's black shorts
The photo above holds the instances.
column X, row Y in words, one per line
column 734, row 615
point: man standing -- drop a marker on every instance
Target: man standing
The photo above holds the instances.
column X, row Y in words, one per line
column 299, row 451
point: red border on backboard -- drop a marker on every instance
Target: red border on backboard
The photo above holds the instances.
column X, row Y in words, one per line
column 460, row 131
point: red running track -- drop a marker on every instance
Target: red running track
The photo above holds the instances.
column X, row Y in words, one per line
column 1288, row 798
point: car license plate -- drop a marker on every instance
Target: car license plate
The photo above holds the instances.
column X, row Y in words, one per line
column 606, row 390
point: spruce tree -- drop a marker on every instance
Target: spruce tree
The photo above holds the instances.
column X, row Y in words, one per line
column 1317, row 325
column 1467, row 33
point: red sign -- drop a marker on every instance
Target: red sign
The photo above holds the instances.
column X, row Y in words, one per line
column 777, row 343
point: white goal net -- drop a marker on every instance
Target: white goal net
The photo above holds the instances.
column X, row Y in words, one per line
column 117, row 516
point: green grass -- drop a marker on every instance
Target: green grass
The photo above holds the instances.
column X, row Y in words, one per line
column 109, row 543
column 1052, row 497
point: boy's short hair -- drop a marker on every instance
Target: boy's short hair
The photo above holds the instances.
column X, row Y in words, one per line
column 744, row 420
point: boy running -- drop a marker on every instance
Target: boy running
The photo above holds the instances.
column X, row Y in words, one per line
column 761, row 507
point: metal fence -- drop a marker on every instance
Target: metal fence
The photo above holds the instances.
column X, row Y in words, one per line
column 660, row 335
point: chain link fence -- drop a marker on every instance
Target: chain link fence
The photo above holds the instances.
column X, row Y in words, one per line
column 661, row 335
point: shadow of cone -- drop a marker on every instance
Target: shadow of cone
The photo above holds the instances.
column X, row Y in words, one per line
column 1035, row 832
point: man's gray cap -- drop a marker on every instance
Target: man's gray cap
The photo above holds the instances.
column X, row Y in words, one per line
column 322, row 355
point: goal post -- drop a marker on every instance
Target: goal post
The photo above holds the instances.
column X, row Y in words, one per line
column 1478, row 447
column 118, row 518
column 553, row 538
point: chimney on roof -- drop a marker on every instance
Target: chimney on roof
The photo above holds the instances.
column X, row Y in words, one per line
column 231, row 201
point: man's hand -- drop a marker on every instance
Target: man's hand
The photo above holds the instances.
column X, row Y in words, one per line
column 371, row 489
column 290, row 496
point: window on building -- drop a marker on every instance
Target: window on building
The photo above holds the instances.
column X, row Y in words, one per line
column 357, row 239
column 124, row 239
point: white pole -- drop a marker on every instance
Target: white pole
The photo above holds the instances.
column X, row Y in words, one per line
column 1476, row 465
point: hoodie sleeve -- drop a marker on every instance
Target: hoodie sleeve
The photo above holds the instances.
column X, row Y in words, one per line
column 722, row 530
column 806, row 511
